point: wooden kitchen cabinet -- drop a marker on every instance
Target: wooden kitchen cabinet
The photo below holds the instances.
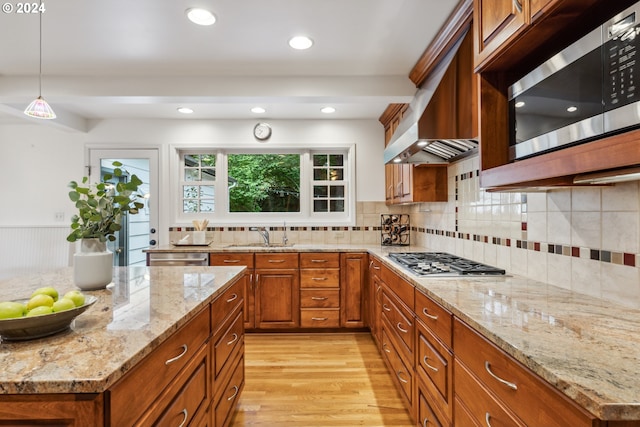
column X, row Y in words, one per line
column 64, row 410
column 320, row 290
column 353, row 276
column 277, row 290
column 375, row 299
column 489, row 381
column 246, row 259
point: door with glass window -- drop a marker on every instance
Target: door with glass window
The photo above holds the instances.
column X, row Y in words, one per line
column 138, row 231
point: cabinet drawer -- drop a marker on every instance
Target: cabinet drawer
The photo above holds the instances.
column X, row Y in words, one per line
column 483, row 408
column 231, row 258
column 319, row 298
column 399, row 371
column 514, row 383
column 227, row 339
column 427, row 416
column 193, row 397
column 320, row 318
column 438, row 319
column 277, row 260
column 320, row 278
column 403, row 289
column 230, row 394
column 156, row 371
column 226, row 303
column 320, row 260
column 434, row 366
column 400, row 322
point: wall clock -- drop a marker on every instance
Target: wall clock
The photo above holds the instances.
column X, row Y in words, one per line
column 262, row 131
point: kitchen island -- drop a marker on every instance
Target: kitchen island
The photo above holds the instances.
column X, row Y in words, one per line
column 146, row 312
column 587, row 349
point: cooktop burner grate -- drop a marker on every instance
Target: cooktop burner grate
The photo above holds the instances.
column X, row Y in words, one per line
column 442, row 263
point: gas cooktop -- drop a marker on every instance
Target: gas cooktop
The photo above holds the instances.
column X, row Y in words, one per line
column 442, row 264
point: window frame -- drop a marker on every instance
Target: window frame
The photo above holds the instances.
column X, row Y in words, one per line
column 306, row 216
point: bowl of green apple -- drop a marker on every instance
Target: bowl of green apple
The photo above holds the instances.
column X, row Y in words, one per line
column 44, row 313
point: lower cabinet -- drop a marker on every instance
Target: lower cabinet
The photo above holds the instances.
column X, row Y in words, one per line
column 277, row 291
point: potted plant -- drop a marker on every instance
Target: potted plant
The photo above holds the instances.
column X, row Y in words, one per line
column 101, row 208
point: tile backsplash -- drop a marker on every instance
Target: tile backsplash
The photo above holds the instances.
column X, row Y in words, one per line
column 586, row 239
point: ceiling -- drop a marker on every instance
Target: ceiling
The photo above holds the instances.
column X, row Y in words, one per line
column 142, row 59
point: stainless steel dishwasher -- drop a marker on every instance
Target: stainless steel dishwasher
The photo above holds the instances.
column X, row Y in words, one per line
column 177, row 258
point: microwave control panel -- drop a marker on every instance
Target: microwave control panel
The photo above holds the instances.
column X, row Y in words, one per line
column 621, row 57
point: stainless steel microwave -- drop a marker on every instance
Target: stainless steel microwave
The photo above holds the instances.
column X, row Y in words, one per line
column 585, row 92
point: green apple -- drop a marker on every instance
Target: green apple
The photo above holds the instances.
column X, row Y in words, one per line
column 47, row 290
column 63, row 304
column 12, row 309
column 39, row 300
column 39, row 310
column 76, row 296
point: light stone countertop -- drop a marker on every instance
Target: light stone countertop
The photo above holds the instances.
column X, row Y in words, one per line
column 587, row 348
column 131, row 318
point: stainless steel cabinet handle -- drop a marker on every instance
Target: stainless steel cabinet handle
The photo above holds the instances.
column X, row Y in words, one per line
column 433, row 368
column 398, row 374
column 233, row 298
column 318, row 260
column 384, row 347
column 518, row 5
column 173, row 359
column 319, row 318
column 318, row 298
column 425, row 422
column 231, row 261
column 276, row 260
column 487, row 367
column 375, row 267
column 399, row 326
column 487, row 419
column 385, row 307
column 234, row 339
column 185, row 417
column 430, row 316
column 319, row 278
column 235, row 392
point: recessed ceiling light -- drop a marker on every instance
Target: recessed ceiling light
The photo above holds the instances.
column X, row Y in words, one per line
column 519, row 104
column 201, row 16
column 300, row 42
column 572, row 109
column 328, row 110
column 258, row 110
column 185, row 110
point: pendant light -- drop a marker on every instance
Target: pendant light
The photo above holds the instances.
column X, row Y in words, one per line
column 39, row 107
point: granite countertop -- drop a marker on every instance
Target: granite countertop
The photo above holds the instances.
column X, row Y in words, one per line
column 587, row 348
column 132, row 317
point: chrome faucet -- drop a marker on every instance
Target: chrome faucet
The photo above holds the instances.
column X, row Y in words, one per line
column 264, row 233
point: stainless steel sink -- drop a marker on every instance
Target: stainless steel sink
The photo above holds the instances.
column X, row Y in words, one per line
column 260, row 245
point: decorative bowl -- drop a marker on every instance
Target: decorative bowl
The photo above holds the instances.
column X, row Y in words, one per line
column 27, row 328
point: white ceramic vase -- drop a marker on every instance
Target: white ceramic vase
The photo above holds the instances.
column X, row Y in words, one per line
column 93, row 265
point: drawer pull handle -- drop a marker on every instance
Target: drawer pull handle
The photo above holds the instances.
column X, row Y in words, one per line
column 433, row 368
column 399, row 326
column 173, row 359
column 318, row 298
column 319, row 278
column 487, row 419
column 235, row 392
column 385, row 307
column 430, row 316
column 185, row 417
column 384, row 346
column 487, row 367
column 233, row 298
column 234, row 339
column 398, row 374
column 425, row 422
column 518, row 5
column 375, row 267
column 276, row 260
column 230, row 261
column 319, row 318
column 318, row 260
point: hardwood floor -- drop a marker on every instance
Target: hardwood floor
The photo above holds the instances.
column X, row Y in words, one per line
column 315, row 380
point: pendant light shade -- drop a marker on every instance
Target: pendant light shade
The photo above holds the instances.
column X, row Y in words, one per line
column 39, row 107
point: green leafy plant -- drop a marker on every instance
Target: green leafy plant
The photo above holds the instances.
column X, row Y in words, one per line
column 101, row 206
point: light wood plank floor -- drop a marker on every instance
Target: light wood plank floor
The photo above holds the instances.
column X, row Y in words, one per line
column 316, row 380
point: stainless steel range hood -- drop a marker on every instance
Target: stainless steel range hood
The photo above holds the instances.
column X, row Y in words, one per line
column 440, row 124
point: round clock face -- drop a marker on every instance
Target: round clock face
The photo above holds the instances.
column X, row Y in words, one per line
column 262, row 131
